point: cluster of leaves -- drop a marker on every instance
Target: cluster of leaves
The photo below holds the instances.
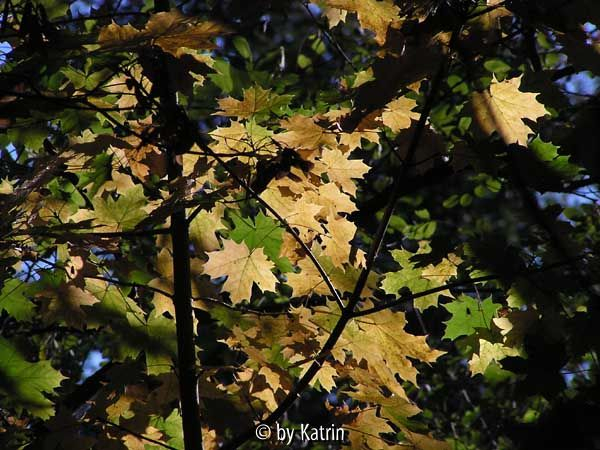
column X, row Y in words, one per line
column 346, row 179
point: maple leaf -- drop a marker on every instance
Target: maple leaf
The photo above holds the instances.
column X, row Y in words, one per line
column 171, row 31
column 380, row 340
column 242, row 268
column 24, row 383
column 262, row 232
column 297, row 210
column 365, row 431
column 367, row 128
column 302, row 132
column 340, row 169
column 502, row 109
column 374, row 15
column 256, row 100
column 121, row 214
column 398, row 114
column 332, row 200
column 204, row 226
column 164, row 266
column 241, row 138
column 336, row 244
column 64, row 303
column 159, row 342
column 380, row 387
column 488, row 353
column 468, row 314
column 420, row 279
column 309, row 281
column 14, row 298
column 514, row 326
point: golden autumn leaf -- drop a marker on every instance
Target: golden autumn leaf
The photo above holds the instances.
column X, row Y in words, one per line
column 419, row 441
column 303, row 132
column 239, row 139
column 336, row 243
column 242, row 268
column 203, row 227
column 117, row 215
column 340, row 169
column 332, row 200
column 171, row 31
column 398, row 114
column 297, row 210
column 308, row 281
column 367, row 128
column 366, row 429
column 373, row 15
column 380, row 340
column 256, row 100
column 488, row 353
column 502, row 109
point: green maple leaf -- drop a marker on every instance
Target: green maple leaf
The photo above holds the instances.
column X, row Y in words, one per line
column 23, row 384
column 14, row 299
column 468, row 314
column 156, row 335
column 419, row 279
column 161, row 344
column 121, row 214
column 264, row 233
column 171, row 427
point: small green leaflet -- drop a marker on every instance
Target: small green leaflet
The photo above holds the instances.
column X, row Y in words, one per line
column 264, row 232
column 13, row 299
column 23, row 384
column 468, row 314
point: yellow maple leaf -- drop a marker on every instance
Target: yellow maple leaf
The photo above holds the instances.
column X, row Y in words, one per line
column 303, row 132
column 297, row 210
column 502, row 109
column 256, row 99
column 171, row 31
column 332, row 200
column 398, row 113
column 365, row 431
column 380, row 339
column 204, row 226
column 340, row 169
column 240, row 139
column 368, row 129
column 489, row 352
column 308, row 281
column 336, row 243
column 374, row 15
column 164, row 266
column 242, row 268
